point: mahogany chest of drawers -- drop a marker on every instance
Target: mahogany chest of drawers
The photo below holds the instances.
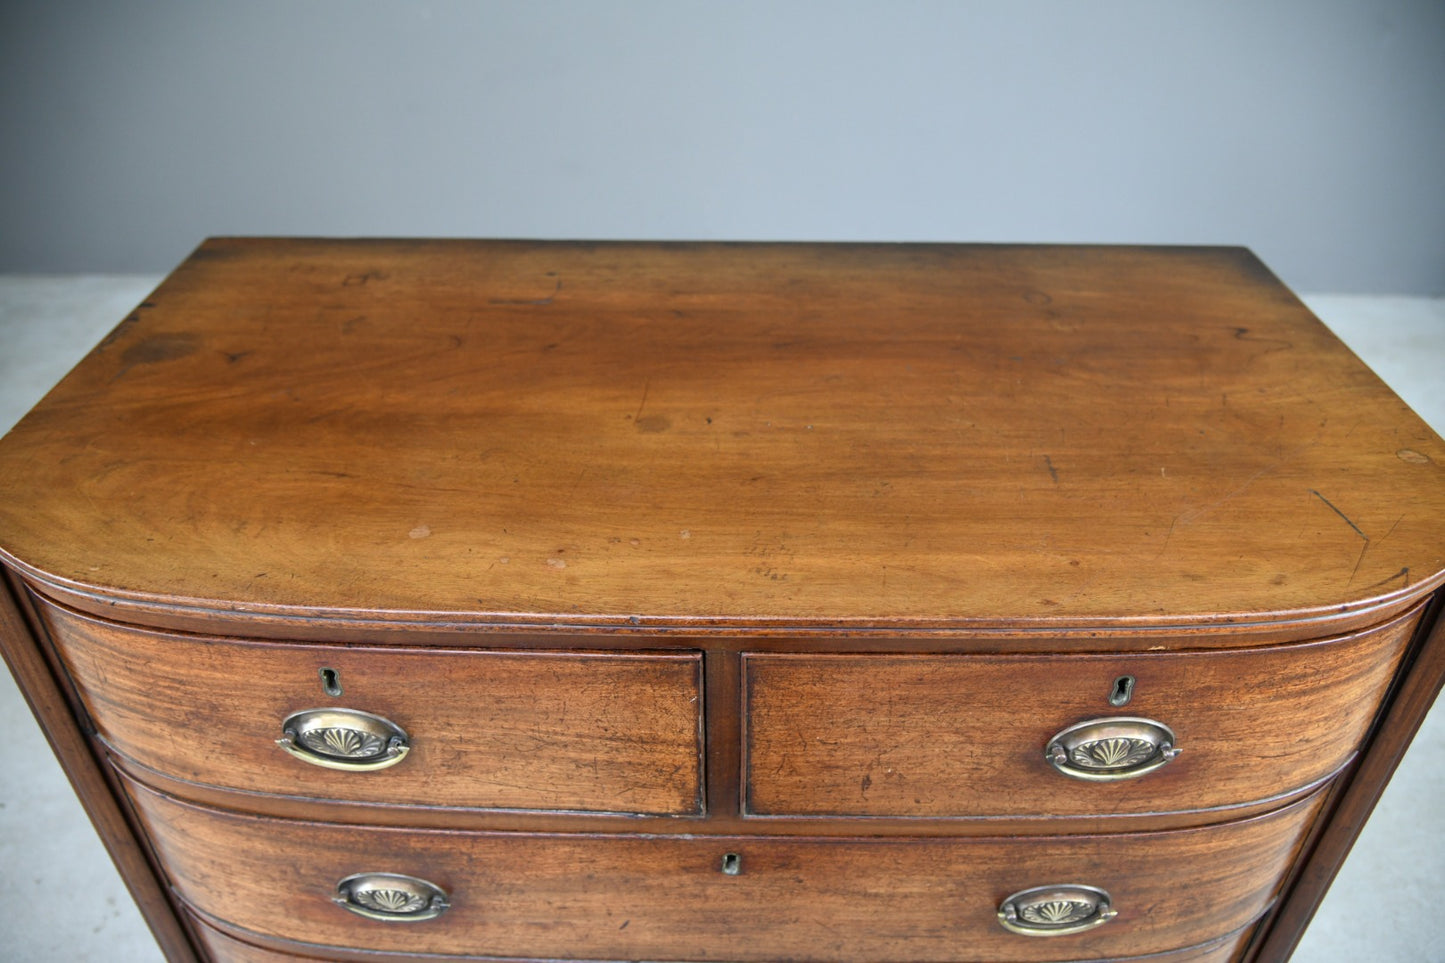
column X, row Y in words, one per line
column 724, row 602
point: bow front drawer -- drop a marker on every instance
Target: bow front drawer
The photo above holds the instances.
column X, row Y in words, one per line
column 996, row 735
column 484, row 729
column 711, row 898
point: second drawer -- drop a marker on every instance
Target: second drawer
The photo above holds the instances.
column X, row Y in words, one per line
column 715, row 898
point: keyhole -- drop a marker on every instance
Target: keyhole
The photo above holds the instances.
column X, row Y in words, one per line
column 330, row 682
column 732, row 864
column 1123, row 691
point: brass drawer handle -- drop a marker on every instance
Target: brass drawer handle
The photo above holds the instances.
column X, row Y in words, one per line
column 1055, row 910
column 1103, row 750
column 391, row 897
column 343, row 739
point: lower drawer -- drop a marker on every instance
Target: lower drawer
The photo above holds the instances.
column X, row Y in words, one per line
column 598, row 897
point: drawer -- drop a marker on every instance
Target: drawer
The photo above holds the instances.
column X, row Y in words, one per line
column 597, row 897
column 966, row 736
column 531, row 730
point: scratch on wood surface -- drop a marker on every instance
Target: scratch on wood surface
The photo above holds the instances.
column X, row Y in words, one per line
column 1403, row 573
column 1360, row 559
column 646, row 387
column 1167, row 535
column 1188, row 517
column 1053, row 472
column 1341, row 514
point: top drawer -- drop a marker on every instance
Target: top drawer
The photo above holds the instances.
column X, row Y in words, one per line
column 967, row 736
column 606, row 732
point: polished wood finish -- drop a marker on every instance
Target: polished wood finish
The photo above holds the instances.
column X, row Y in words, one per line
column 537, row 729
column 950, row 736
column 25, row 654
column 609, row 434
column 666, row 898
column 661, row 552
column 223, row 947
column 1415, row 692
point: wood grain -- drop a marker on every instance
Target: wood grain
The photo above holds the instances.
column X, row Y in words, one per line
column 628, row 897
column 795, row 551
column 227, row 945
column 1414, row 693
column 591, row 731
column 25, row 654
column 616, row 434
column 953, row 736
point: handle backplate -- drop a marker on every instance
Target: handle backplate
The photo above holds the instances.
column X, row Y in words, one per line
column 343, row 739
column 391, row 897
column 1105, row 750
column 1056, row 910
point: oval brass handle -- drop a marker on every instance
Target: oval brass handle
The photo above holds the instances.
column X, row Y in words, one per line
column 1104, row 750
column 1056, row 910
column 391, row 897
column 343, row 739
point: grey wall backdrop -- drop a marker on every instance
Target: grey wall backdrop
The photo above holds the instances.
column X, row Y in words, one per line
column 1310, row 130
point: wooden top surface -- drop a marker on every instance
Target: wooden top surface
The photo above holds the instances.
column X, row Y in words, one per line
column 659, row 434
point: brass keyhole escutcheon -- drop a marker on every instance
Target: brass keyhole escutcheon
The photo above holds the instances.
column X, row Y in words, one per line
column 1122, row 692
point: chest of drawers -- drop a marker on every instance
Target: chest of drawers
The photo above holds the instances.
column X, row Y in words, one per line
column 724, row 602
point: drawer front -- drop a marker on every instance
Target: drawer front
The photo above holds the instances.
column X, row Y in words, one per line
column 574, row 896
column 593, row 732
column 962, row 736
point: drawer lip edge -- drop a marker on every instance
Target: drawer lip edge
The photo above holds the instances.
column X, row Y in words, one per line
column 1303, row 801
column 138, row 773
column 280, row 945
column 135, row 771
column 1297, row 623
column 1267, row 805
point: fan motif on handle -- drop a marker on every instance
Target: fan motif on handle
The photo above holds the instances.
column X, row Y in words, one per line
column 1117, row 753
column 1056, row 912
column 342, row 742
column 396, row 901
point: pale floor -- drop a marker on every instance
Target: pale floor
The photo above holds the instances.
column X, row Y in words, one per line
column 64, row 902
